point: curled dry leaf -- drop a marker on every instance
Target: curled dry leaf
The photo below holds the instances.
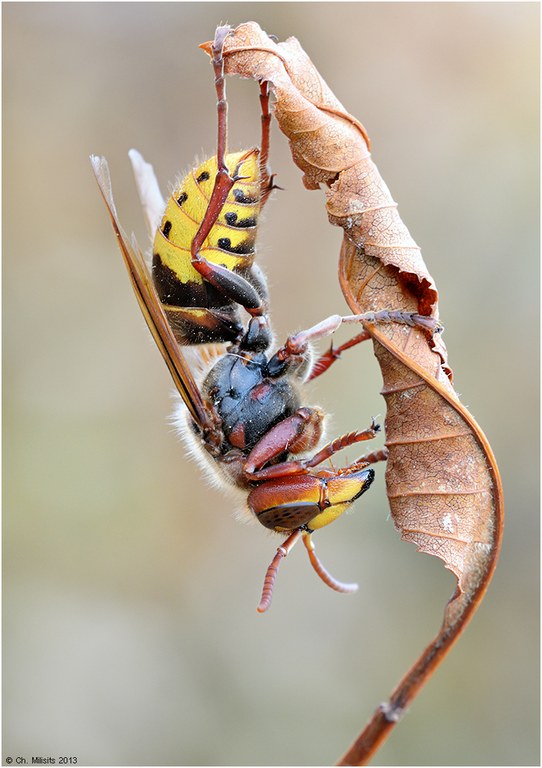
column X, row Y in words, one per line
column 442, row 480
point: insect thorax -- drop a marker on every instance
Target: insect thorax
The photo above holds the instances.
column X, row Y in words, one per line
column 247, row 400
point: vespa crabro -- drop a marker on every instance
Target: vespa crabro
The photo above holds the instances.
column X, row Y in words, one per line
column 246, row 414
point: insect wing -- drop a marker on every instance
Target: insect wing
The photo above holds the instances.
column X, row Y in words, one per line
column 150, row 305
column 152, row 202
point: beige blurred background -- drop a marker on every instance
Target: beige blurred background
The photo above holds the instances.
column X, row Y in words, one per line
column 130, row 630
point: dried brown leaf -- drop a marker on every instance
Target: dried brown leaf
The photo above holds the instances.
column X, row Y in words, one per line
column 442, row 480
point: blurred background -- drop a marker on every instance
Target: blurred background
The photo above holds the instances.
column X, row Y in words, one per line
column 130, row 630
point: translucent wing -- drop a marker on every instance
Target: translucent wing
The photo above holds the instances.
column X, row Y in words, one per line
column 150, row 305
column 150, row 196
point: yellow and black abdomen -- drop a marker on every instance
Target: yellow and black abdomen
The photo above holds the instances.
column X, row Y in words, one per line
column 197, row 311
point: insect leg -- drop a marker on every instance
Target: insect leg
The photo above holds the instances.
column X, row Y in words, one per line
column 375, row 456
column 266, row 177
column 287, row 435
column 222, row 103
column 342, row 442
column 223, row 182
column 231, row 285
column 298, row 343
column 333, row 354
column 397, row 316
column 299, row 432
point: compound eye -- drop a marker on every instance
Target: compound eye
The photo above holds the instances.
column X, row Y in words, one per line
column 287, row 517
